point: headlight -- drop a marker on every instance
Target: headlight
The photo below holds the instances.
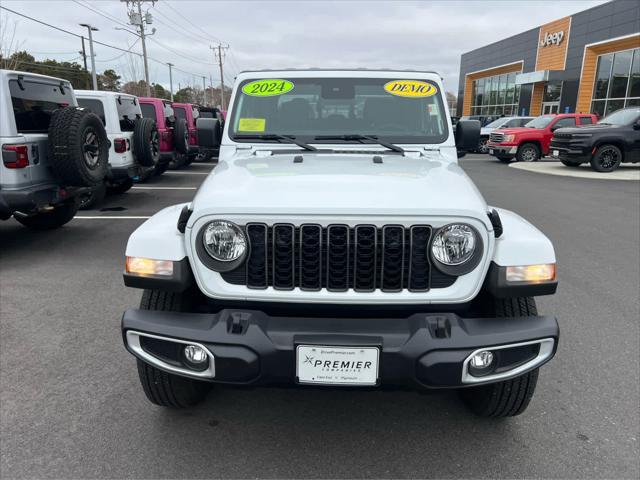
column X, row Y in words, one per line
column 508, row 138
column 456, row 249
column 224, row 241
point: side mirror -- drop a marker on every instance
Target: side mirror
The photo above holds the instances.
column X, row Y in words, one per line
column 467, row 136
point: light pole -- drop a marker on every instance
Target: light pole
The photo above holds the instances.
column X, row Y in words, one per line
column 170, row 80
column 204, row 91
column 94, row 77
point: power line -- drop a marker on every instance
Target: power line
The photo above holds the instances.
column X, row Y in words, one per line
column 122, row 54
column 101, row 13
column 206, row 34
column 41, row 22
column 183, row 32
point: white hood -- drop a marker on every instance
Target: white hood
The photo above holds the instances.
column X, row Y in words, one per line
column 339, row 184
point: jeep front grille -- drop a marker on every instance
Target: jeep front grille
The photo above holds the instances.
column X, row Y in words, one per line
column 364, row 258
column 496, row 137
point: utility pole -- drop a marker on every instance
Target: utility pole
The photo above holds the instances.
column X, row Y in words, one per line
column 94, row 77
column 84, row 59
column 138, row 20
column 170, row 80
column 220, row 59
column 204, row 91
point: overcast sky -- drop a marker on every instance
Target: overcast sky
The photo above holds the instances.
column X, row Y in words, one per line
column 266, row 34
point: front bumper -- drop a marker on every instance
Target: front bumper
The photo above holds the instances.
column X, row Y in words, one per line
column 421, row 351
column 572, row 152
column 499, row 150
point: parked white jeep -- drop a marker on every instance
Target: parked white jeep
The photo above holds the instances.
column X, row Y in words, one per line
column 339, row 243
column 134, row 140
column 53, row 152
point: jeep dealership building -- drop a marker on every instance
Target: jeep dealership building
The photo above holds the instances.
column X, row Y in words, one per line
column 586, row 63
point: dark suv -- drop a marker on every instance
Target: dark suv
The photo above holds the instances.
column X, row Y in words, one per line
column 613, row 140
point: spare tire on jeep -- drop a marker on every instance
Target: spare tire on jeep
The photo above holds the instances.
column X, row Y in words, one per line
column 181, row 136
column 146, row 142
column 78, row 147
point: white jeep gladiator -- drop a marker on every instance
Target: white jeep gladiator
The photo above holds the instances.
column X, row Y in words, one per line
column 339, row 243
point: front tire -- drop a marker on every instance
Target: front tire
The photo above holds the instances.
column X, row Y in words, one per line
column 162, row 388
column 483, row 146
column 510, row 397
column 529, row 152
column 606, row 159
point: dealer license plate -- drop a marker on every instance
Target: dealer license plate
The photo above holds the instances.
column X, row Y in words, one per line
column 491, row 152
column 337, row 365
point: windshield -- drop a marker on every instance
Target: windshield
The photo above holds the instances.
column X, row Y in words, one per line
column 622, row 117
column 540, row 122
column 402, row 111
column 498, row 123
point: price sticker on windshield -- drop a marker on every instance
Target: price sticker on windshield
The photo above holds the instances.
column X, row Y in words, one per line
column 410, row 88
column 252, row 124
column 268, row 87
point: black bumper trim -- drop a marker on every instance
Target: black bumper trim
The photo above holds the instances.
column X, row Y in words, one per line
column 253, row 348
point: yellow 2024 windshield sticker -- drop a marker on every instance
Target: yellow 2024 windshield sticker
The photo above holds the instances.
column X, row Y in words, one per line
column 410, row 88
column 252, row 124
column 268, row 87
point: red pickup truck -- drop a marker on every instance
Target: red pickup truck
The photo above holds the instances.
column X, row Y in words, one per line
column 531, row 142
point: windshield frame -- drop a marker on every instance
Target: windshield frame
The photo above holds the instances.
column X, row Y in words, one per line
column 311, row 137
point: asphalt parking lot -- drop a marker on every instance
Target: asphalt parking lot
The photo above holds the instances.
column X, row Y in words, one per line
column 71, row 405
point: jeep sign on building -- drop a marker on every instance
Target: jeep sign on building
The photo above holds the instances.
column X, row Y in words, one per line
column 586, row 63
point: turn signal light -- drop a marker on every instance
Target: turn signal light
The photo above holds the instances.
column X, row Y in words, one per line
column 149, row 267
column 532, row 273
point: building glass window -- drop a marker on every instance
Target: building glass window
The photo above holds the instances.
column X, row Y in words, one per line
column 617, row 83
column 496, row 95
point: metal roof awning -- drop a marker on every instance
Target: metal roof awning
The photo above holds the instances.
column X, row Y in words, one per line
column 532, row 77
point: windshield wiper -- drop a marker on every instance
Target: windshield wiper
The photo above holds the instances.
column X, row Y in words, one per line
column 359, row 138
column 278, row 138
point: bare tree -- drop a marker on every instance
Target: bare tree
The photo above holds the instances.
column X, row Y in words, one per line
column 8, row 43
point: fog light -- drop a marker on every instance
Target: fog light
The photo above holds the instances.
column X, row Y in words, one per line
column 482, row 360
column 195, row 355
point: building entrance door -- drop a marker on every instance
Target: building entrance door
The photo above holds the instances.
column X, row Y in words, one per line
column 550, row 107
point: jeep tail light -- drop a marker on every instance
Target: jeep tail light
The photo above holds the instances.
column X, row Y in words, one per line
column 193, row 137
column 165, row 135
column 120, row 145
column 15, row 156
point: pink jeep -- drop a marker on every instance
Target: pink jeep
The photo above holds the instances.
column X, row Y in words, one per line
column 189, row 113
column 174, row 134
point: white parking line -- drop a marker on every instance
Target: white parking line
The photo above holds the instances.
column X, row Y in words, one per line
column 186, row 173
column 164, row 188
column 111, row 217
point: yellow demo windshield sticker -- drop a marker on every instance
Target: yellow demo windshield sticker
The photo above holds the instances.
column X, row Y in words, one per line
column 410, row 88
column 268, row 87
column 252, row 124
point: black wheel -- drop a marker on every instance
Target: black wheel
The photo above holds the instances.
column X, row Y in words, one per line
column 529, row 152
column 181, row 136
column 569, row 163
column 607, row 158
column 482, row 145
column 510, row 397
column 120, row 187
column 178, row 161
column 52, row 219
column 162, row 388
column 146, row 142
column 78, row 146
column 93, row 197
